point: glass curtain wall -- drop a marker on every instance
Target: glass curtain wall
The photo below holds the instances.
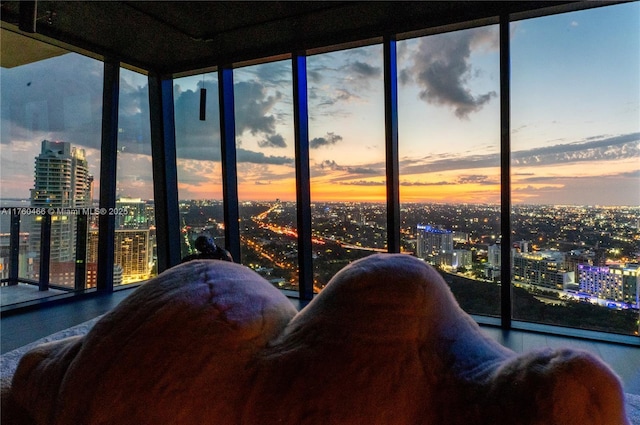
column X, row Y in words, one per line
column 347, row 158
column 449, row 158
column 265, row 153
column 575, row 158
column 49, row 165
column 198, row 161
column 575, row 132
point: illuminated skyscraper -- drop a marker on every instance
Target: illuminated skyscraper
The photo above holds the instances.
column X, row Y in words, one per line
column 616, row 283
column 132, row 254
column 62, row 180
column 432, row 242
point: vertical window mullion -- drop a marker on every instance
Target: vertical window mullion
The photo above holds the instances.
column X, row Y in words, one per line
column 108, row 156
column 505, row 175
column 229, row 166
column 303, row 177
column 391, row 143
column 165, row 179
column 14, row 248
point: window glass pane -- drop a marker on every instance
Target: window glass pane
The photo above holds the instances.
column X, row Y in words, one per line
column 449, row 152
column 51, row 133
column 135, row 235
column 265, row 149
column 198, row 161
column 575, row 168
column 347, row 158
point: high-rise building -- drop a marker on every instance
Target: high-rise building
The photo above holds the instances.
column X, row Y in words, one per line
column 132, row 254
column 615, row 283
column 62, row 177
column 544, row 269
column 132, row 213
column 432, row 242
column 62, row 180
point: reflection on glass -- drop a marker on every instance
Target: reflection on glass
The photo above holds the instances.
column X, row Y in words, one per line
column 347, row 158
column 51, row 132
column 198, row 161
column 449, row 150
column 135, row 234
column 266, row 171
column 575, row 164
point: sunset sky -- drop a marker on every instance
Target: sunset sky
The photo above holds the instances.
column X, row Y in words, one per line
column 575, row 118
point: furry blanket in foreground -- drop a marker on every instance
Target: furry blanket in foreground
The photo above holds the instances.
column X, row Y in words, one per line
column 384, row 343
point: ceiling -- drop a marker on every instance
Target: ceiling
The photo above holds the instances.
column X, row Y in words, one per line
column 177, row 36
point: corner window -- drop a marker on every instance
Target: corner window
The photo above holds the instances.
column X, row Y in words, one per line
column 575, row 168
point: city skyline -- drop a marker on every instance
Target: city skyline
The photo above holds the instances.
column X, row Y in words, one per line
column 575, row 131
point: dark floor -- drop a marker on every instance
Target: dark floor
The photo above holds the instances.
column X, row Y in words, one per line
column 20, row 329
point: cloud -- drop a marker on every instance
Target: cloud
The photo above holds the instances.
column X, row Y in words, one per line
column 440, row 183
column 243, row 155
column 314, row 76
column 274, row 141
column 476, row 179
column 365, row 70
column 609, row 148
column 362, row 183
column 57, row 99
column 134, row 131
column 327, row 140
column 197, row 139
column 253, row 107
column 331, row 165
column 587, row 190
column 274, row 73
column 255, row 114
column 612, row 148
column 442, row 69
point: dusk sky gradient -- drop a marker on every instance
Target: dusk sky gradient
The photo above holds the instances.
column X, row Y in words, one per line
column 575, row 119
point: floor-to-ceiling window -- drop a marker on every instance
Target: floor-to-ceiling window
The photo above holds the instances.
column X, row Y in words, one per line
column 135, row 231
column 50, row 141
column 265, row 153
column 449, row 159
column 199, row 166
column 574, row 161
column 347, row 157
column 575, row 164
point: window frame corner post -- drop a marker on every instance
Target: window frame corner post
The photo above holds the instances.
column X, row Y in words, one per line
column 165, row 176
column 506, row 289
column 14, row 248
column 82, row 228
column 108, row 164
column 391, row 143
column 229, row 162
column 303, row 176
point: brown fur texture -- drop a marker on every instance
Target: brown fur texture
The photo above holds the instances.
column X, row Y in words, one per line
column 384, row 343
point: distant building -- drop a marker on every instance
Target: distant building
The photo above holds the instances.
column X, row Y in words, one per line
column 521, row 246
column 456, row 259
column 25, row 263
column 541, row 269
column 616, row 283
column 132, row 253
column 62, row 180
column 461, row 237
column 133, row 213
column 494, row 256
column 432, row 242
column 575, row 258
